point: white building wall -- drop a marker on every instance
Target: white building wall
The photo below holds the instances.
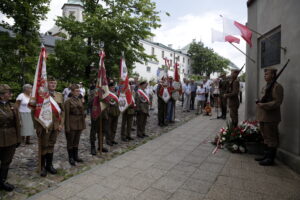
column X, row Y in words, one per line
column 149, row 70
column 76, row 10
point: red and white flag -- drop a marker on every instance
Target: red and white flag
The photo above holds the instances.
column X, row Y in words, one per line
column 217, row 36
column 176, row 83
column 102, row 90
column 125, row 95
column 41, row 101
column 232, row 27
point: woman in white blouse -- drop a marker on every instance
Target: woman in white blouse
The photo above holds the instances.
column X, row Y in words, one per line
column 27, row 128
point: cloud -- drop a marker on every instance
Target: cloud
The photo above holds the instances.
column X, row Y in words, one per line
column 199, row 27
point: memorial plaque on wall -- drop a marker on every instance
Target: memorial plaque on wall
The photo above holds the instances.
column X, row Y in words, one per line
column 270, row 50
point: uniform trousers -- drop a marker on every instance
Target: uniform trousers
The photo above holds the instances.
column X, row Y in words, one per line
column 223, row 106
column 48, row 140
column 6, row 156
column 234, row 115
column 73, row 138
column 162, row 111
column 126, row 124
column 270, row 133
column 113, row 124
column 141, row 123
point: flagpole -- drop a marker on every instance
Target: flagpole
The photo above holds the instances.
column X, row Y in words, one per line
column 242, row 52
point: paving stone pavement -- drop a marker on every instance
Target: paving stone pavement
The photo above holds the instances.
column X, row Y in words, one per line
column 179, row 165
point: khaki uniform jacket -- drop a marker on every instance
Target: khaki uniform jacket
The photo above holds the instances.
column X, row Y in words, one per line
column 141, row 104
column 223, row 86
column 9, row 125
column 58, row 97
column 270, row 111
column 74, row 115
column 233, row 94
column 114, row 110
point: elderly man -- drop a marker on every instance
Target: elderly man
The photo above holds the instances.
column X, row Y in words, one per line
column 187, row 96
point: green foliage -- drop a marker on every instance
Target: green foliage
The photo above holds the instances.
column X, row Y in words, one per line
column 243, row 77
column 205, row 60
column 20, row 52
column 119, row 24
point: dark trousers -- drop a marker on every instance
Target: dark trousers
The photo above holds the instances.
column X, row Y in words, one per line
column 223, row 106
column 94, row 129
column 234, row 115
column 47, row 139
column 141, row 123
column 126, row 125
column 270, row 133
column 192, row 103
column 162, row 111
column 6, row 156
column 73, row 138
column 113, row 124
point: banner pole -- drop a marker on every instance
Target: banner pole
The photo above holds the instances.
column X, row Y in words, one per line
column 242, row 52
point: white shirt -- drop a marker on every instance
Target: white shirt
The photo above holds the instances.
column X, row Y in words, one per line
column 187, row 89
column 201, row 96
column 24, row 100
column 66, row 93
column 82, row 91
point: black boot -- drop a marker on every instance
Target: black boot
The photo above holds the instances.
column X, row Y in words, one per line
column 75, row 153
column 93, row 149
column 270, row 156
column 71, row 157
column 261, row 158
column 43, row 169
column 5, row 185
column 49, row 165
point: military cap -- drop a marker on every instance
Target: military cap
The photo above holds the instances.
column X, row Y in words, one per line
column 51, row 78
column 4, row 88
column 143, row 82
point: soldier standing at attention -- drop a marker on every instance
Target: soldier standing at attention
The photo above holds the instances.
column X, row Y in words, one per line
column 127, row 119
column 48, row 137
column 142, row 107
column 233, row 96
column 113, row 114
column 74, row 123
column 10, row 137
column 268, row 114
column 223, row 87
column 161, row 104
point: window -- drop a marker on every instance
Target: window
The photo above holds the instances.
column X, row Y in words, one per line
column 153, row 51
column 148, row 69
column 183, row 60
column 162, row 54
column 171, row 54
column 171, row 62
column 72, row 13
column 270, row 49
column 188, row 61
column 178, row 58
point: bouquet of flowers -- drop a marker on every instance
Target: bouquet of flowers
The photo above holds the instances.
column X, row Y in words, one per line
column 234, row 138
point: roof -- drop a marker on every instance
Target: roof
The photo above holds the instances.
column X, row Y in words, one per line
column 50, row 40
column 165, row 47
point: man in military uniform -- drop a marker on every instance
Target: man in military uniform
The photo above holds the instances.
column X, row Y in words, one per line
column 161, row 104
column 268, row 114
column 48, row 137
column 223, row 87
column 142, row 108
column 95, row 126
column 127, row 119
column 113, row 115
column 233, row 96
column 10, row 137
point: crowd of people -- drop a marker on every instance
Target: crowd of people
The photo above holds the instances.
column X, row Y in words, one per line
column 75, row 102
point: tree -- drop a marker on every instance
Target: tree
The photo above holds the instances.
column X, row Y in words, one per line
column 120, row 25
column 205, row 61
column 26, row 15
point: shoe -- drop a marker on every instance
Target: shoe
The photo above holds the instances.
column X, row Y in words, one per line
column 75, row 154
column 267, row 162
column 124, row 140
column 140, row 136
column 93, row 150
column 270, row 156
column 49, row 166
column 71, row 157
column 113, row 142
column 129, row 138
column 3, row 184
column 146, row 135
column 104, row 150
column 188, row 111
column 109, row 143
column 133, row 129
column 28, row 140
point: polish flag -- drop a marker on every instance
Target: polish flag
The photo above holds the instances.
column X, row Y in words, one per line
column 235, row 28
column 217, row 36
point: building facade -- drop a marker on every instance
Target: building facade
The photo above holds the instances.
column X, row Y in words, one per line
column 278, row 25
column 151, row 69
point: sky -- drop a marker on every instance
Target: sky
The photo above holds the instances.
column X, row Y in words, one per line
column 188, row 20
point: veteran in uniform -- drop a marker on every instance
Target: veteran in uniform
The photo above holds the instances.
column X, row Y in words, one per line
column 161, row 104
column 48, row 137
column 233, row 97
column 268, row 114
column 142, row 108
column 223, row 87
column 74, row 123
column 113, row 115
column 127, row 119
column 10, row 137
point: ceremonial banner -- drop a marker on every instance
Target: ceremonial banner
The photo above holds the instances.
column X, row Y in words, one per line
column 102, row 90
column 176, row 83
column 125, row 95
column 40, row 98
